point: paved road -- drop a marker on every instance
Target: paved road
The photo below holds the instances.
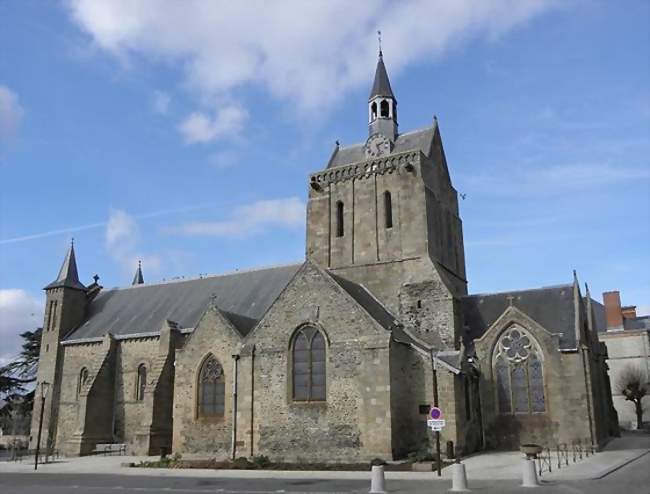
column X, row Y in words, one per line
column 631, row 479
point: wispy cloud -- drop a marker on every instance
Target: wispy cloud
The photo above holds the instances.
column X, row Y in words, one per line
column 122, row 240
column 224, row 159
column 11, row 113
column 99, row 224
column 250, row 219
column 160, row 102
column 551, row 180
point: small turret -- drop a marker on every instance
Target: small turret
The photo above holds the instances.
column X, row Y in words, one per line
column 382, row 104
column 138, row 279
column 68, row 275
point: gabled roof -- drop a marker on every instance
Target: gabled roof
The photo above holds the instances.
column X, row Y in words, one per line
column 243, row 297
column 417, row 140
column 68, row 276
column 551, row 307
column 381, row 85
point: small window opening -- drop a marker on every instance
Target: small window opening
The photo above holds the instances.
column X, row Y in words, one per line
column 384, row 109
column 142, row 382
column 47, row 348
column 340, row 230
column 373, row 111
column 419, row 304
column 388, row 209
column 424, row 409
column 83, row 377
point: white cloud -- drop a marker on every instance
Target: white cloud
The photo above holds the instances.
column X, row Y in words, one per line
column 199, row 127
column 11, row 113
column 251, row 219
column 308, row 53
column 160, row 102
column 19, row 312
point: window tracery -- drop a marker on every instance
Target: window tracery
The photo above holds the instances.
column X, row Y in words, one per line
column 212, row 389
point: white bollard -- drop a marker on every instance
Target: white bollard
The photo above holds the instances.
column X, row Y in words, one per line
column 377, row 482
column 529, row 474
column 459, row 478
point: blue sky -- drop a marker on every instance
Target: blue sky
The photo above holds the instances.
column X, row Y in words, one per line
column 183, row 133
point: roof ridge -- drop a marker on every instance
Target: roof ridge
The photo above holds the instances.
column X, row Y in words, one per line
column 209, row 276
column 485, row 294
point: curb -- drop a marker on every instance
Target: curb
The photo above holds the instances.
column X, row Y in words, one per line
column 624, row 463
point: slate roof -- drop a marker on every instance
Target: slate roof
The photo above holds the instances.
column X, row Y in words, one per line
column 366, row 300
column 417, row 140
column 243, row 297
column 551, row 307
column 381, row 85
column 68, row 276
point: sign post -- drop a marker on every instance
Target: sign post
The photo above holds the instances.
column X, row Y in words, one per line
column 436, row 423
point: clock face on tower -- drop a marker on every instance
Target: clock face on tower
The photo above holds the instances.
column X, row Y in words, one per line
column 377, row 145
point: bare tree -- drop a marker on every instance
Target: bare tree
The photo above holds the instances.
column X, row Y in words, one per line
column 633, row 386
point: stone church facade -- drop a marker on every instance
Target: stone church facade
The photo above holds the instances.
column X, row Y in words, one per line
column 335, row 358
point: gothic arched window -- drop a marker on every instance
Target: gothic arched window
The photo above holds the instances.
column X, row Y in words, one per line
column 384, row 108
column 518, row 370
column 141, row 383
column 211, row 389
column 388, row 209
column 83, row 378
column 340, row 230
column 308, row 372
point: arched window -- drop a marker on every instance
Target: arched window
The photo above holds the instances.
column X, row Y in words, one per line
column 83, row 378
column 339, row 219
column 373, row 111
column 211, row 389
column 518, row 371
column 384, row 108
column 388, row 210
column 142, row 382
column 308, row 362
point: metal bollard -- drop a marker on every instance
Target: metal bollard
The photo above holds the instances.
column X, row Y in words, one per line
column 529, row 474
column 377, row 482
column 459, row 478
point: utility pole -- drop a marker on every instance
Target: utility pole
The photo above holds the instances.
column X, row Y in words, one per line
column 436, row 404
column 44, row 387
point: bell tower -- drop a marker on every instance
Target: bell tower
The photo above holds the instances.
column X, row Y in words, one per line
column 382, row 105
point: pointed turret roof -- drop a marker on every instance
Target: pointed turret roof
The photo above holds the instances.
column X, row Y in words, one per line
column 138, row 279
column 68, row 276
column 381, row 86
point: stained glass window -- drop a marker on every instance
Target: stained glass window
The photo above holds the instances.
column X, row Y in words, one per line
column 518, row 370
column 212, row 389
column 309, row 369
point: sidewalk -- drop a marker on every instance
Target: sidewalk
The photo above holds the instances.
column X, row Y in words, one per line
column 483, row 466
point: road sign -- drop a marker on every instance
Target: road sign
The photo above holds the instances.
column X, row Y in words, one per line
column 436, row 424
column 436, row 413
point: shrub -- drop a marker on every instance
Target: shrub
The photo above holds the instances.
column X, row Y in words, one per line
column 377, row 462
column 261, row 461
column 241, row 463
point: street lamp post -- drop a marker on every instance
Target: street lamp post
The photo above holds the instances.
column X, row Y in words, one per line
column 44, row 388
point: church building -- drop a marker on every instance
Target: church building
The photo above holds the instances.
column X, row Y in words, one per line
column 338, row 358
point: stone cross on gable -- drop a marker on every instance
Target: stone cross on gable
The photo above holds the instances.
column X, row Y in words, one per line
column 511, row 300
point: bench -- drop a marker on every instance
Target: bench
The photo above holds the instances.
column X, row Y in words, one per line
column 110, row 448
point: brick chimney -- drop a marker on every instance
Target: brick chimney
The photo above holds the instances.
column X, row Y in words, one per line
column 629, row 312
column 613, row 311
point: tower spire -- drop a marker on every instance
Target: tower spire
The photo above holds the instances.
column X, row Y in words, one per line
column 138, row 279
column 382, row 104
column 68, row 276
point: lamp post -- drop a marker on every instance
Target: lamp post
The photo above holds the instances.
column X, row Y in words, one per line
column 44, row 388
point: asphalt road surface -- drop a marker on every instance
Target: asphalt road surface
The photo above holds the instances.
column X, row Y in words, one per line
column 631, row 479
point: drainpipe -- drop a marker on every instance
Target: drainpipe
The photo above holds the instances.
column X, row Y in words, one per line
column 233, row 447
column 252, row 396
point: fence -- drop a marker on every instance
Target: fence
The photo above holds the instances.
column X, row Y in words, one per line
column 562, row 454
